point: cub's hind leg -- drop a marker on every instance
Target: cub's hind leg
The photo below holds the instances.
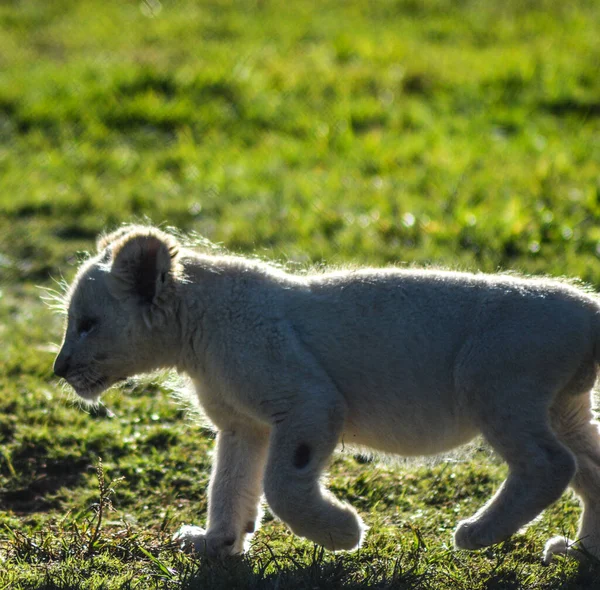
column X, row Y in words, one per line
column 540, row 468
column 301, row 444
column 574, row 423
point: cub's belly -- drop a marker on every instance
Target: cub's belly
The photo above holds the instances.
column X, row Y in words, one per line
column 408, row 431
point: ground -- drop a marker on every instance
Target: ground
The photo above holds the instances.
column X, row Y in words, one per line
column 462, row 134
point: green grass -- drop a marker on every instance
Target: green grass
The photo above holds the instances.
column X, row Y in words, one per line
column 461, row 133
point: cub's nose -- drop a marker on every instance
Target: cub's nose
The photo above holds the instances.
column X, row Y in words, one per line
column 61, row 366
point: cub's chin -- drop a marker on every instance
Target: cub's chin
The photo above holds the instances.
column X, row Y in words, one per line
column 91, row 392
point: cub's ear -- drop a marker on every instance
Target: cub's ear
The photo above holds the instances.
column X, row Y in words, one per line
column 143, row 266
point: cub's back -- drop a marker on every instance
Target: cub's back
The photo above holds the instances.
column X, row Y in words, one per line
column 373, row 329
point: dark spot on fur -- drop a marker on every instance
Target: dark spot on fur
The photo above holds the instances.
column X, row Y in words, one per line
column 249, row 527
column 302, row 456
column 229, row 542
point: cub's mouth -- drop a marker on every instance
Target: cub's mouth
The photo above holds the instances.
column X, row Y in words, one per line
column 92, row 389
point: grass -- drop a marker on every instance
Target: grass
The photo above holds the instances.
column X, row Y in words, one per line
column 462, row 134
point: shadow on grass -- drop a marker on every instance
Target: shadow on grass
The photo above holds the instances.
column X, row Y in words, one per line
column 36, row 491
column 347, row 572
column 414, row 569
column 123, row 558
column 338, row 575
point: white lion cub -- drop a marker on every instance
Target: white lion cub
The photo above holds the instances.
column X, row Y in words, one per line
column 411, row 362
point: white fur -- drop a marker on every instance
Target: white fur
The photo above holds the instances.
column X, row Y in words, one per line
column 412, row 362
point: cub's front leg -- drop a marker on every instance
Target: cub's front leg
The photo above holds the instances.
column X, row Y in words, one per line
column 233, row 494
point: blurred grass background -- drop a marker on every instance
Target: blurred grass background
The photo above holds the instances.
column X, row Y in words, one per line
column 455, row 133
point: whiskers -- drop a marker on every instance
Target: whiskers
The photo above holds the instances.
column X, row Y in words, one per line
column 56, row 299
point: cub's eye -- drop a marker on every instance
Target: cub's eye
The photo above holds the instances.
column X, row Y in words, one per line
column 86, row 325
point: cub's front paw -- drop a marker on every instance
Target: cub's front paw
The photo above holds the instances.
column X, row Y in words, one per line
column 194, row 539
column 472, row 535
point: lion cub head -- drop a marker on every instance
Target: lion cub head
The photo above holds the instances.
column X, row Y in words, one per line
column 118, row 307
